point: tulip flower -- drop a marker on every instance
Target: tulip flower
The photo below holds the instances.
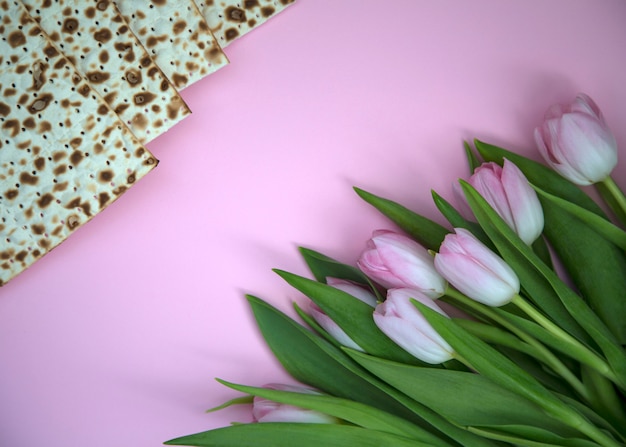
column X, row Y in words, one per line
column 394, row 260
column 575, row 141
column 475, row 270
column 264, row 410
column 399, row 319
column 508, row 192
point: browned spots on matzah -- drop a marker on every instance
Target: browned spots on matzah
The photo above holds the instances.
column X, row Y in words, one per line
column 177, row 36
column 101, row 45
column 230, row 19
column 61, row 163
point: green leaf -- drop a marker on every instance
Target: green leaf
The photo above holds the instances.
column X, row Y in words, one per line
column 464, row 398
column 540, row 247
column 602, row 226
column 427, row 232
column 472, row 160
column 347, row 410
column 314, row 361
column 601, row 279
column 317, row 363
column 458, row 221
column 322, row 267
column 276, row 434
column 236, row 401
column 530, row 436
column 503, row 372
column 612, row 196
column 540, row 175
column 352, row 315
column 523, row 260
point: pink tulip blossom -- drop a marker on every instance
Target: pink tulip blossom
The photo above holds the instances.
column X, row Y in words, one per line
column 264, row 410
column 394, row 260
column 475, row 270
column 508, row 192
column 575, row 140
column 399, row 319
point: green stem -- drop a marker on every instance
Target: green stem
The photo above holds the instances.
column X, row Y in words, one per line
column 545, row 355
column 585, row 354
column 614, row 197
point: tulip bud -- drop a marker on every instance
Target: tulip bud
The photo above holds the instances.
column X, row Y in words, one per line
column 264, row 410
column 399, row 319
column 575, row 141
column 394, row 260
column 328, row 324
column 475, row 270
column 508, row 192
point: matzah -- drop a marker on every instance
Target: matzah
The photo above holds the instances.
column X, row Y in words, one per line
column 64, row 154
column 177, row 36
column 97, row 40
column 231, row 19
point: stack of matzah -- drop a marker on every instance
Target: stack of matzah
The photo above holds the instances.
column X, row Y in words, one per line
column 84, row 85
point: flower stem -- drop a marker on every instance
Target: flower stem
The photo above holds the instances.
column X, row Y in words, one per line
column 614, row 198
column 584, row 354
column 544, row 354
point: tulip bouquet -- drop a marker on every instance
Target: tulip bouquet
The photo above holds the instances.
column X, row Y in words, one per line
column 508, row 329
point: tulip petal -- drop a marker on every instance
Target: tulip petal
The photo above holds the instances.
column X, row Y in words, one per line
column 407, row 327
column 525, row 206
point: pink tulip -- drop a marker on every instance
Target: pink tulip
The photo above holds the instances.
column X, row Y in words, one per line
column 328, row 324
column 394, row 260
column 475, row 270
column 399, row 319
column 575, row 141
column 264, row 410
column 508, row 192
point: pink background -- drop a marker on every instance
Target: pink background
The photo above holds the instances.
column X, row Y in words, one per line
column 115, row 337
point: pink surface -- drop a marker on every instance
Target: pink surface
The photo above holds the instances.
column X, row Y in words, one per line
column 115, row 337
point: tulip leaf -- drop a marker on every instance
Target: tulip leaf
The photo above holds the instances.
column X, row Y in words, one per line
column 313, row 361
column 602, row 226
column 514, row 251
column 605, row 189
column 540, row 175
column 425, row 231
column 464, row 398
column 472, row 160
column 237, row 401
column 281, row 434
column 458, row 221
column 352, row 315
column 322, row 267
column 310, row 321
column 345, row 409
column 503, row 372
column 540, row 247
column 523, row 435
column 601, row 280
